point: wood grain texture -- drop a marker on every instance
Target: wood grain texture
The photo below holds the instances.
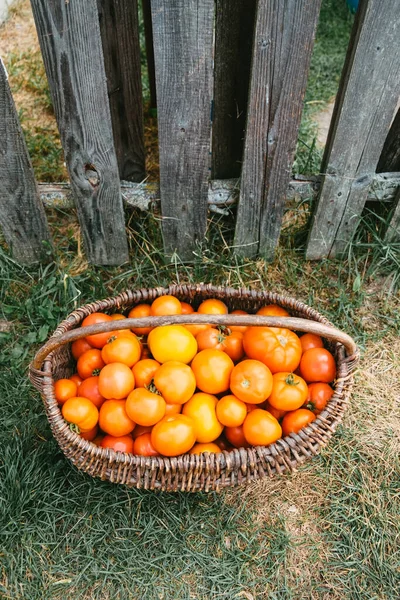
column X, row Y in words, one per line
column 22, row 216
column 393, row 230
column 69, row 36
column 148, row 32
column 183, row 46
column 283, row 43
column 119, row 27
column 390, row 157
column 366, row 103
column 234, row 29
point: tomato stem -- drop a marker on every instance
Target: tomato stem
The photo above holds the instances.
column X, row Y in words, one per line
column 290, row 380
column 151, row 387
column 96, row 372
column 74, row 427
column 111, row 339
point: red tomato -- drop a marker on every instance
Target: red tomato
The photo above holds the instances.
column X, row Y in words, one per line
column 144, row 371
column 297, row 419
column 79, row 347
column 143, row 446
column 318, row 396
column 310, row 340
column 318, row 364
column 90, row 389
column 235, row 436
column 187, row 309
column 90, row 363
column 76, row 379
column 122, row 443
column 91, row 434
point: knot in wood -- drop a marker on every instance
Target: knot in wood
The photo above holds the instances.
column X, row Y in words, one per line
column 92, row 175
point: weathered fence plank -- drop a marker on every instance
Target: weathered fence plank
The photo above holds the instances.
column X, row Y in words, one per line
column 119, row 27
column 283, row 44
column 148, row 32
column 69, row 36
column 390, row 157
column 234, row 28
column 365, row 106
column 393, row 231
column 183, row 46
column 22, row 216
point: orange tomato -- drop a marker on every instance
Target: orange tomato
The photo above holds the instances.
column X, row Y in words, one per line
column 241, row 328
column 175, row 381
column 173, row 409
column 79, row 347
column 90, row 363
column 145, row 352
column 260, row 428
column 117, row 317
column 201, row 448
column 186, row 308
column 310, row 340
column 90, row 389
column 201, row 409
column 173, row 435
column 235, row 436
column 196, row 329
column 80, row 412
column 251, row 381
column 273, row 310
column 64, row 389
column 144, row 370
column 295, row 420
column 172, row 342
column 122, row 349
column 122, row 443
column 138, row 312
column 210, row 338
column 212, row 370
column 143, row 446
column 140, row 430
column 279, row 349
column 318, row 365
column 114, row 420
column 289, row 391
column 91, row 434
column 233, row 346
column 98, row 340
column 231, row 411
column 212, row 306
column 145, row 407
column 116, row 381
column 318, row 397
column 166, row 305
column 275, row 412
column 76, row 379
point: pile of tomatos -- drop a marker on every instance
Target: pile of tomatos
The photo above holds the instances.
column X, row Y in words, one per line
column 177, row 389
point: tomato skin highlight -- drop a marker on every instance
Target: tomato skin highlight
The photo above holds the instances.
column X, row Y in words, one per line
column 318, row 365
column 295, row 420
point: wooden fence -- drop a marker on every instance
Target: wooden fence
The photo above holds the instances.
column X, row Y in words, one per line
column 229, row 78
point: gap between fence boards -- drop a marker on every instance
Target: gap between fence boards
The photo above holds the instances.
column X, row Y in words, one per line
column 222, row 193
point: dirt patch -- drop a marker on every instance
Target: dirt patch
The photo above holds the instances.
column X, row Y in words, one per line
column 323, row 121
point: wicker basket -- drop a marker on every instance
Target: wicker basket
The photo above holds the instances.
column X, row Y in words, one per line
column 194, row 472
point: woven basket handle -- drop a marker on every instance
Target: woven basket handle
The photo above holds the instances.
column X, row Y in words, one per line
column 293, row 323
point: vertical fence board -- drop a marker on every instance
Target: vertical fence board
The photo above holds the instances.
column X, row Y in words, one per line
column 69, row 36
column 393, row 230
column 148, row 32
column 365, row 106
column 234, row 28
column 284, row 37
column 183, row 46
column 22, row 216
column 119, row 27
column 390, row 157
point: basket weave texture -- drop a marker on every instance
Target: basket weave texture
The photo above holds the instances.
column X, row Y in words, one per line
column 192, row 473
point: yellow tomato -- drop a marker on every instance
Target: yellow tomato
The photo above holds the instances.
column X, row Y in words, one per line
column 201, row 409
column 172, row 342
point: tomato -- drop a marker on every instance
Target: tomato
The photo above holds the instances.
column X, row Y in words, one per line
column 145, row 352
column 201, row 408
column 139, row 312
column 223, row 443
column 98, row 340
column 310, row 340
column 275, row 412
column 122, row 443
column 172, row 342
column 122, row 349
column 145, row 407
column 173, row 409
column 201, row 448
column 143, row 446
column 186, row 308
column 251, row 381
column 166, row 305
column 231, row 411
column 279, row 349
column 233, row 346
column 318, row 365
column 289, row 391
column 144, row 370
column 91, row 434
column 273, row 310
column 64, row 389
column 318, row 396
column 212, row 369
column 173, row 435
column 140, row 430
column 113, row 418
column 241, row 328
column 235, row 436
column 79, row 347
column 90, row 363
column 212, row 306
column 90, row 389
column 117, row 317
column 196, row 329
column 175, row 381
column 76, row 379
column 297, row 419
column 116, row 381
column 210, row 338
column 260, row 428
column 81, row 412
